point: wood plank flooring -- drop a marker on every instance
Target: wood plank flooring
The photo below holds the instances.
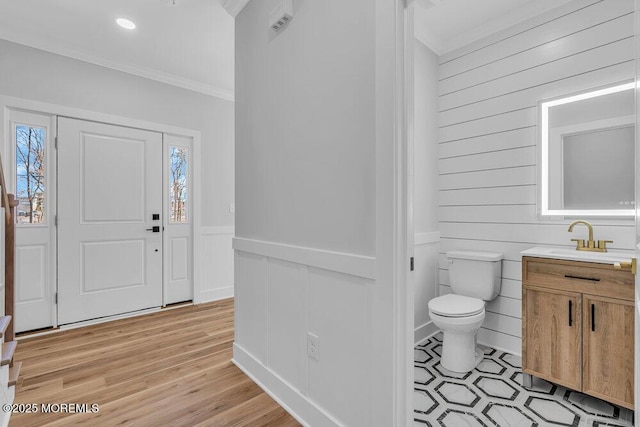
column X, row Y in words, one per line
column 170, row 368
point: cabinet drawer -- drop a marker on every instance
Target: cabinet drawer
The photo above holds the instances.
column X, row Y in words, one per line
column 583, row 277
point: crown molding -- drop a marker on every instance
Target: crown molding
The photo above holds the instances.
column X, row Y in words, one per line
column 514, row 17
column 140, row 71
column 421, row 28
column 234, row 7
column 425, row 38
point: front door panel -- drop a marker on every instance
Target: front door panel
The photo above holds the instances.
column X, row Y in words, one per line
column 109, row 186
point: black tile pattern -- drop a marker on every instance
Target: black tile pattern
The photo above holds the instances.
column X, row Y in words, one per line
column 501, row 414
column 457, row 394
column 492, row 395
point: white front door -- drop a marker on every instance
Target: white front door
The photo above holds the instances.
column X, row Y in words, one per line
column 109, row 188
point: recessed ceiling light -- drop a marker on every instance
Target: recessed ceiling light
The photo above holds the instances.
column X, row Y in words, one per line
column 125, row 23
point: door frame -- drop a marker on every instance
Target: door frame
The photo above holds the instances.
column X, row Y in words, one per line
column 8, row 103
column 394, row 245
column 51, row 198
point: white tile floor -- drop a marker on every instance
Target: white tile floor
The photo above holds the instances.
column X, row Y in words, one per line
column 492, row 395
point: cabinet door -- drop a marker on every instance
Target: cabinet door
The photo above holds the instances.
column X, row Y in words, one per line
column 608, row 349
column 552, row 335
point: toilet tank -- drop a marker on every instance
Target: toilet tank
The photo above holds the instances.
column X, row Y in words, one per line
column 475, row 274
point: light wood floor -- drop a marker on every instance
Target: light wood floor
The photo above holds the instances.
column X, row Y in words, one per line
column 170, row 368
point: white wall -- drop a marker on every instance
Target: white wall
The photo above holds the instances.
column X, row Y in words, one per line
column 487, row 152
column 34, row 74
column 45, row 77
column 425, row 188
column 314, row 180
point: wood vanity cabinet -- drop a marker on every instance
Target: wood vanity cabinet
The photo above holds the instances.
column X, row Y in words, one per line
column 578, row 326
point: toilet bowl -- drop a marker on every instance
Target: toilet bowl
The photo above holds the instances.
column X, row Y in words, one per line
column 459, row 318
column 475, row 277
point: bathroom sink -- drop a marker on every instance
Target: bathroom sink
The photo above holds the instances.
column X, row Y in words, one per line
column 611, row 257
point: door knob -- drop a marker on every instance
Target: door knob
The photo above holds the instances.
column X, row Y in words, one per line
column 155, row 229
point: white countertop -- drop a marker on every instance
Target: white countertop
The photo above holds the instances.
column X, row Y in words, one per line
column 610, row 257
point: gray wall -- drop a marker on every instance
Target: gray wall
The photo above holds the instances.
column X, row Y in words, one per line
column 425, row 152
column 425, row 189
column 34, row 74
column 489, row 92
column 307, row 134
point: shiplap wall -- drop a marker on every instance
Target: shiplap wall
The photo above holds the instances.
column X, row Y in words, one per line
column 488, row 95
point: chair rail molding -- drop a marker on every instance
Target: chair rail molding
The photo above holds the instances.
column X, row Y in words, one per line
column 234, row 7
column 351, row 264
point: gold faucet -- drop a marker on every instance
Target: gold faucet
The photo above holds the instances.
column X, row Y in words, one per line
column 590, row 245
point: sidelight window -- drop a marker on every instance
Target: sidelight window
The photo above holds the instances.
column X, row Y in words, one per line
column 30, row 174
column 178, row 184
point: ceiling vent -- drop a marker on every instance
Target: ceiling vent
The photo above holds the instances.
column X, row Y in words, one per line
column 281, row 15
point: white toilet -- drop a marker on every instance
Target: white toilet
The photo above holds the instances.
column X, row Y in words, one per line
column 475, row 277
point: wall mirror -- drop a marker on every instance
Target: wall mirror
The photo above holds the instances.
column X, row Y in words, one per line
column 587, row 152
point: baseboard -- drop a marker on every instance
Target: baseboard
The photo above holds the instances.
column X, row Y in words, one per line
column 300, row 407
column 500, row 341
column 215, row 294
column 423, row 332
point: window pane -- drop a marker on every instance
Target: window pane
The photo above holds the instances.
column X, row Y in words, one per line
column 30, row 174
column 178, row 184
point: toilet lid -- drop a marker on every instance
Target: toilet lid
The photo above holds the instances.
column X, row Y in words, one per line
column 451, row 305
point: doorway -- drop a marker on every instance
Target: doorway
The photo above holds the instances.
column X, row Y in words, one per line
column 105, row 225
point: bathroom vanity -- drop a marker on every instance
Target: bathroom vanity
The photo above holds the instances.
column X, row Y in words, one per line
column 578, row 322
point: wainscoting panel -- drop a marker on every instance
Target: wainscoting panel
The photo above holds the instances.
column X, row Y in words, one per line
column 216, row 264
column 489, row 93
column 425, row 282
column 287, row 321
column 287, row 299
column 252, row 296
column 342, row 342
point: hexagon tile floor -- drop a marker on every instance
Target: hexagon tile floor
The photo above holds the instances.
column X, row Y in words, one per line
column 491, row 395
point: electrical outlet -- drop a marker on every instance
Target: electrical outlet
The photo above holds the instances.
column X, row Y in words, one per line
column 232, row 207
column 313, row 346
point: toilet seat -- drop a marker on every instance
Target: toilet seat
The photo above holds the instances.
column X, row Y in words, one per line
column 452, row 305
